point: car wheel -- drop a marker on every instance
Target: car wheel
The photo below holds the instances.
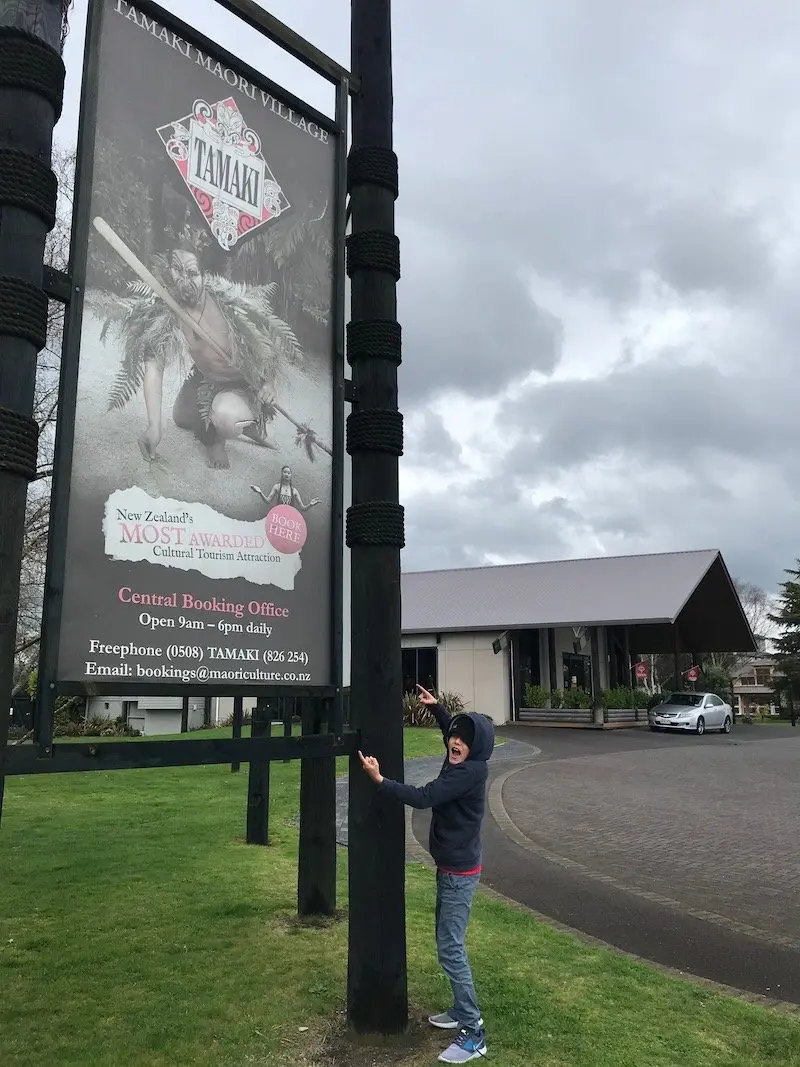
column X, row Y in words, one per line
column 701, row 725
column 654, row 729
column 726, row 726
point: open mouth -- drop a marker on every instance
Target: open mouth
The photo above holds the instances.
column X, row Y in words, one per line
column 456, row 750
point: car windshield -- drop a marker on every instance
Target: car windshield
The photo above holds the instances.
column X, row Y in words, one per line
column 686, row 700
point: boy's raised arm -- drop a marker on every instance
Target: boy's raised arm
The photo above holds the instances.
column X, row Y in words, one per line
column 442, row 717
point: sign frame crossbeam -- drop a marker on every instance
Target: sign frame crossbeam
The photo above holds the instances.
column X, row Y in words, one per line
column 88, row 755
column 291, row 42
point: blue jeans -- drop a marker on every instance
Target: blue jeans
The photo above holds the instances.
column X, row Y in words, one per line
column 454, row 894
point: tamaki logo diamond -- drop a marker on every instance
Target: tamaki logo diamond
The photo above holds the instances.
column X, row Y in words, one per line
column 220, row 159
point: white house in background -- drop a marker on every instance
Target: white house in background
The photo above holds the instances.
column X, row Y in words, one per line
column 568, row 624
column 157, row 715
column 755, row 686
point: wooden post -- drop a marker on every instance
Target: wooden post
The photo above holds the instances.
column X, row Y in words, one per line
column 238, row 719
column 552, row 668
column 185, row 715
column 594, row 660
column 288, row 706
column 31, row 96
column 630, row 673
column 316, row 870
column 377, row 991
column 258, row 781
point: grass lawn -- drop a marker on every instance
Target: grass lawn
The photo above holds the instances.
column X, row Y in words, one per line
column 136, row 928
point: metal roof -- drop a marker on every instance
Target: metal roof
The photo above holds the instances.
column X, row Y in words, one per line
column 654, row 592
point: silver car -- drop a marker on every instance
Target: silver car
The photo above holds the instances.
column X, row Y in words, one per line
column 692, row 711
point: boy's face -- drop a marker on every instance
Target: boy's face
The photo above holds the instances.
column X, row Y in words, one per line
column 457, row 750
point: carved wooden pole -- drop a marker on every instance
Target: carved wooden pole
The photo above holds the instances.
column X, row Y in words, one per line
column 31, row 95
column 377, row 984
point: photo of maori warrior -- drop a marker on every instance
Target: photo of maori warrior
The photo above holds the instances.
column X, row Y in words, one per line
column 284, row 492
column 225, row 334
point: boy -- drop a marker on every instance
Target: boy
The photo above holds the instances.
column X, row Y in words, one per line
column 457, row 799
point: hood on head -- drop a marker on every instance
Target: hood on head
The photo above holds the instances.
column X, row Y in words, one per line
column 480, row 727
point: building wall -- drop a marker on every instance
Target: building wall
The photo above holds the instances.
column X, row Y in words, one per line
column 224, row 707
column 104, row 707
column 467, row 665
column 150, row 715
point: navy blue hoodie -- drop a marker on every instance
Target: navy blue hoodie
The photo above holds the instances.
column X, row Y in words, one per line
column 457, row 796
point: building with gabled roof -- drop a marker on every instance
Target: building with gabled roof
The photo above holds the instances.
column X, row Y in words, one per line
column 578, row 624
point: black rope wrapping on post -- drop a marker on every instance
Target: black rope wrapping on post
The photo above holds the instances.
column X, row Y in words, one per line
column 374, row 339
column 375, row 430
column 373, row 250
column 27, row 183
column 369, row 165
column 26, row 62
column 375, row 522
column 23, row 311
column 19, row 443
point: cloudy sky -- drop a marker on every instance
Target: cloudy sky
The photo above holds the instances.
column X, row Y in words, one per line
column 600, row 238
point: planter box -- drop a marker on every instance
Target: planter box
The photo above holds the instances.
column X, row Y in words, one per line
column 626, row 715
column 554, row 716
column 581, row 716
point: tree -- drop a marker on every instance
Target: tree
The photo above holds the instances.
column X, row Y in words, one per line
column 37, row 513
column 787, row 618
column 756, row 605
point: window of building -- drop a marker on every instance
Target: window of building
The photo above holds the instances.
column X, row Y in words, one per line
column 528, row 651
column 577, row 672
column 420, row 667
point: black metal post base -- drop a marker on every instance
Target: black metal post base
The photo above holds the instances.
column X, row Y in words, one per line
column 258, row 781
column 316, row 871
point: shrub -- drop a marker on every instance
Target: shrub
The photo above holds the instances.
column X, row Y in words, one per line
column 96, row 726
column 453, row 703
column 536, row 696
column 416, row 714
column 577, row 698
column 247, row 719
column 618, row 697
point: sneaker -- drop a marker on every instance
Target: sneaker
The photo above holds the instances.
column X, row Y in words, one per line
column 445, row 1021
column 469, row 1045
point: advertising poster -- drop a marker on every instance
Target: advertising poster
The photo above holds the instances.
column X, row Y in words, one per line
column 198, row 545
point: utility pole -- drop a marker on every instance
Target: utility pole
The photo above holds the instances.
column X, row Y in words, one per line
column 31, row 96
column 377, row 994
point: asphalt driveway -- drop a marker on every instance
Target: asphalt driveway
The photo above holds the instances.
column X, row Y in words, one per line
column 683, row 850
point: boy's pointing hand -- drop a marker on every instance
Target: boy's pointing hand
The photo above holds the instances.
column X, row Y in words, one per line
column 372, row 767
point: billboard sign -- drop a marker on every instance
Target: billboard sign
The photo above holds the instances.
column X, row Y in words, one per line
column 198, row 529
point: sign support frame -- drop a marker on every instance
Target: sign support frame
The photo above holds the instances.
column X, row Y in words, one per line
column 266, row 25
